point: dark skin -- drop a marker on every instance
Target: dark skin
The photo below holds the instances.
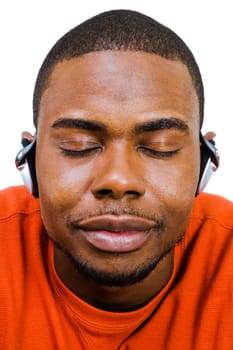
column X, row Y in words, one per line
column 120, row 131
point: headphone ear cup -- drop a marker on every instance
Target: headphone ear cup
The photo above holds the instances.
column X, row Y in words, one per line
column 30, row 160
column 209, row 162
column 205, row 170
column 25, row 163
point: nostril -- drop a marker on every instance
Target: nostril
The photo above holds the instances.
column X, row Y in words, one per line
column 115, row 194
column 104, row 192
column 133, row 193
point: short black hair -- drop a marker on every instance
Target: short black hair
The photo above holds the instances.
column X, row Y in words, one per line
column 122, row 30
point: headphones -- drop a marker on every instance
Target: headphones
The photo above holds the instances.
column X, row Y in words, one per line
column 25, row 163
column 209, row 162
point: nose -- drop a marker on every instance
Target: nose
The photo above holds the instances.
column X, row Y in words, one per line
column 118, row 176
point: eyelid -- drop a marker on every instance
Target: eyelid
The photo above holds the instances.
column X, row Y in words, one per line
column 79, row 147
column 81, row 143
column 159, row 153
column 160, row 146
column 80, row 153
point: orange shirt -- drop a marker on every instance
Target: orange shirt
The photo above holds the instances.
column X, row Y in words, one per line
column 193, row 311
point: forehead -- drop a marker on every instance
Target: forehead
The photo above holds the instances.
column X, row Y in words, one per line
column 116, row 82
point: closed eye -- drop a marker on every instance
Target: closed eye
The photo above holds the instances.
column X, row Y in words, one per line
column 158, row 153
column 80, row 153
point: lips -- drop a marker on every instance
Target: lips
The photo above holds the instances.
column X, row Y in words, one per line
column 119, row 234
column 117, row 223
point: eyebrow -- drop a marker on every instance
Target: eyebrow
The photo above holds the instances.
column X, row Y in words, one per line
column 152, row 125
column 70, row 123
column 162, row 124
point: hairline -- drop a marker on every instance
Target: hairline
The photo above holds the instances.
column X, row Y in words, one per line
column 52, row 67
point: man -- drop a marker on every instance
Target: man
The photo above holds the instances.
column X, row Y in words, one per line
column 119, row 251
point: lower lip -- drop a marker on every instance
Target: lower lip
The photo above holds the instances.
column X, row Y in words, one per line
column 119, row 242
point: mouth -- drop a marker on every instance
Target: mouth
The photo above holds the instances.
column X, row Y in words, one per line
column 116, row 234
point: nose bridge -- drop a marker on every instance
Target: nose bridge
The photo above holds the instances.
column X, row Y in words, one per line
column 118, row 173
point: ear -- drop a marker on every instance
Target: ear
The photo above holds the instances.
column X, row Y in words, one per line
column 210, row 135
column 25, row 135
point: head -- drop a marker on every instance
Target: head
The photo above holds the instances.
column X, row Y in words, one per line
column 118, row 106
column 119, row 30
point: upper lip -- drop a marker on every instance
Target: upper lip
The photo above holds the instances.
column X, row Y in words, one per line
column 120, row 223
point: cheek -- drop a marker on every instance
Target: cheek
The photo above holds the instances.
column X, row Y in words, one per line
column 61, row 188
column 174, row 182
column 174, row 188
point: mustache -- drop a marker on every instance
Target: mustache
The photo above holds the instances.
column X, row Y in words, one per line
column 74, row 219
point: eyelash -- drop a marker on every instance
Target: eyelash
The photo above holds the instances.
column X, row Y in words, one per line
column 81, row 153
column 150, row 152
column 158, row 154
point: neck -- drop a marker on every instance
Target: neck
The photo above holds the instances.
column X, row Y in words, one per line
column 118, row 299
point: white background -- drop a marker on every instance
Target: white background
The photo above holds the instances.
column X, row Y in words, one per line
column 28, row 29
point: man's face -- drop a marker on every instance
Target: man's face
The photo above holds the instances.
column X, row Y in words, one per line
column 117, row 161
